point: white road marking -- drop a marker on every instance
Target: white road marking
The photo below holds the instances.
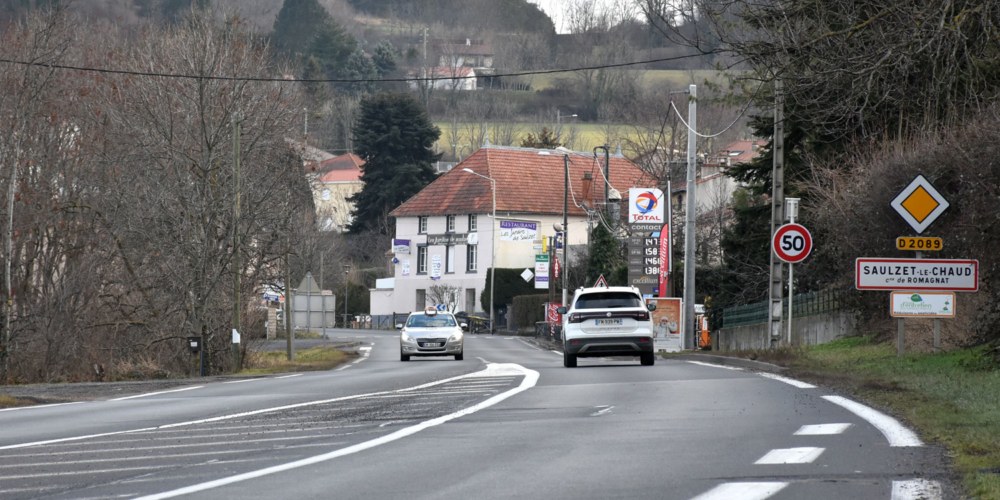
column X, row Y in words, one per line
column 150, row 457
column 483, row 360
column 492, row 370
column 366, row 348
column 894, row 432
column 557, row 353
column 802, row 455
column 789, row 381
column 916, row 489
column 127, row 469
column 508, row 338
column 244, row 380
column 290, row 376
column 158, row 393
column 529, row 381
column 702, row 363
column 40, row 406
column 821, row 429
column 742, row 491
column 529, row 345
column 601, row 412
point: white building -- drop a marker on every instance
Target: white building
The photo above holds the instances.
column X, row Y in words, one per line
column 448, row 235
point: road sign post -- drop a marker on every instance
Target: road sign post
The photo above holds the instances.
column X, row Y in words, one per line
column 792, row 244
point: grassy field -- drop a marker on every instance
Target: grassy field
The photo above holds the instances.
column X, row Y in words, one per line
column 312, row 359
column 588, row 135
column 950, row 398
column 676, row 79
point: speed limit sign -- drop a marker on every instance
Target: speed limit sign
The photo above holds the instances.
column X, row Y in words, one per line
column 792, row 243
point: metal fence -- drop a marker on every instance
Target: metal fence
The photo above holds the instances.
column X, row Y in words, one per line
column 806, row 304
column 545, row 330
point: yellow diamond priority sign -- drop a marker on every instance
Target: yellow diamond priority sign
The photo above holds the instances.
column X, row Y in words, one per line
column 920, row 204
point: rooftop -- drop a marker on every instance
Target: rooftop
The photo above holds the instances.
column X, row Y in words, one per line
column 528, row 181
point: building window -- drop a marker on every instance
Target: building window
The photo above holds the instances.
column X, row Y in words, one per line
column 422, row 221
column 421, row 299
column 473, row 223
column 471, row 253
column 326, row 195
column 450, row 259
column 421, row 260
column 451, row 224
column 470, row 300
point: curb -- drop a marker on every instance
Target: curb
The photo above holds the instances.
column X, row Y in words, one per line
column 730, row 361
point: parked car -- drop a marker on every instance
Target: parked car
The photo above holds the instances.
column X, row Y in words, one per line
column 612, row 321
column 431, row 333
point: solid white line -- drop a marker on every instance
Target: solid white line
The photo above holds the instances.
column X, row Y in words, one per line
column 344, row 367
column 894, row 432
column 802, row 455
column 821, row 429
column 742, row 491
column 290, row 376
column 508, row 338
column 916, row 489
column 789, row 381
column 557, row 353
column 716, row 366
column 529, row 381
column 366, row 348
column 244, row 380
column 157, row 393
column 40, row 406
column 483, row 360
column 601, row 412
column 490, row 371
column 529, row 345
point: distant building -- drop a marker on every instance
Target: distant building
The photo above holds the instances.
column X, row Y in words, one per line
column 468, row 52
column 339, row 179
column 447, row 78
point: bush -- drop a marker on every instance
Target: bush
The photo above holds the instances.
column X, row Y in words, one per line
column 528, row 310
column 509, row 285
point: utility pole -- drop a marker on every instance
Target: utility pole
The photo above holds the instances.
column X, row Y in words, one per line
column 289, row 314
column 552, row 267
column 689, row 230
column 777, row 215
column 607, row 175
column 237, row 262
column 426, row 84
column 565, row 261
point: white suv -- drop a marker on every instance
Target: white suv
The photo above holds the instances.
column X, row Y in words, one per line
column 611, row 321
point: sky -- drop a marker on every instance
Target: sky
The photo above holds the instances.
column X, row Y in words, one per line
column 554, row 10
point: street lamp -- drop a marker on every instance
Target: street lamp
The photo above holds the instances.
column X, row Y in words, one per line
column 559, row 122
column 347, row 271
column 493, row 236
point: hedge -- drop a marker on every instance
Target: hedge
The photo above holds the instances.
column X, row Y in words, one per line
column 528, row 310
column 510, row 284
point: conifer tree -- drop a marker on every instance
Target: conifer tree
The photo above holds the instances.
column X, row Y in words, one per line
column 296, row 23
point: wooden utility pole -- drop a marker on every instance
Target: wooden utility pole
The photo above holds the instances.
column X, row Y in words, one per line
column 777, row 215
column 237, row 262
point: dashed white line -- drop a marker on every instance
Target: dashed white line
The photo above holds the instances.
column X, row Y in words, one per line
column 158, row 393
column 916, row 489
column 602, row 412
column 789, row 381
column 529, row 381
column 742, row 491
column 821, row 429
column 802, row 455
column 894, row 432
column 702, row 363
column 40, row 406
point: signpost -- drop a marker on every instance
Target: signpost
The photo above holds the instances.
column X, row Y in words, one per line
column 542, row 271
column 791, row 243
column 922, row 305
column 601, row 282
column 919, row 244
column 917, row 274
column 919, row 204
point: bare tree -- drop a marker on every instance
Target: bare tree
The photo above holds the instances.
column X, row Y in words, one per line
column 445, row 294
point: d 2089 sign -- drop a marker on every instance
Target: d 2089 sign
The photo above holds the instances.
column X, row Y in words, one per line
column 792, row 243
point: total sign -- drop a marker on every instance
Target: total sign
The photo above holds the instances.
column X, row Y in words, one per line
column 646, row 205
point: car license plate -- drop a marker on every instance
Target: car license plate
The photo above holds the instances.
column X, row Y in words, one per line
column 609, row 322
column 432, row 344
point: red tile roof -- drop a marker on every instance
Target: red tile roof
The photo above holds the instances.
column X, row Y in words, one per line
column 738, row 151
column 349, row 161
column 341, row 176
column 527, row 182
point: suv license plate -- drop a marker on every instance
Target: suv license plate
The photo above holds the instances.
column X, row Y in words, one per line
column 432, row 344
column 609, row 322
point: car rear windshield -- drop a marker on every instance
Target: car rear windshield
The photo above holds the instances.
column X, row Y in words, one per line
column 436, row 321
column 608, row 300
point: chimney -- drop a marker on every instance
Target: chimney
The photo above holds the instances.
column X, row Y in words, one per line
column 587, row 182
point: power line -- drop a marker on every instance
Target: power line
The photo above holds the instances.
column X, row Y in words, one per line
column 335, row 80
column 695, row 132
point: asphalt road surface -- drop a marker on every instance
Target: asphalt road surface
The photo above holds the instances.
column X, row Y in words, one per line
column 508, row 421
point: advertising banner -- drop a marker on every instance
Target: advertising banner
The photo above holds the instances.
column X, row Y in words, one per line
column 645, row 205
column 668, row 324
column 542, row 272
column 400, row 246
column 923, row 305
column 405, row 265
column 518, row 231
column 436, row 267
column 665, row 259
column 552, row 316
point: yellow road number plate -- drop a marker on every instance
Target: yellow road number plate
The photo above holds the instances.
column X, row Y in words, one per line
column 913, row 243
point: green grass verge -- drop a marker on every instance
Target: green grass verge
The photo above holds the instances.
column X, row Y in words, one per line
column 11, row 402
column 312, row 359
column 952, row 398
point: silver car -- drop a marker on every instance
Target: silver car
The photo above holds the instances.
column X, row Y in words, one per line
column 431, row 333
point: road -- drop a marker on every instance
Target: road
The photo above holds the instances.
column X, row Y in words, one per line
column 508, row 421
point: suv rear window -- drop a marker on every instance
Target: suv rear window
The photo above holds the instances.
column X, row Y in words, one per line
column 608, row 300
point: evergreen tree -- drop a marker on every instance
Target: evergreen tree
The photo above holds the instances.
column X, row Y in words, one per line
column 546, row 140
column 318, row 92
column 297, row 22
column 395, row 136
column 331, row 46
column 606, row 257
column 360, row 67
column 385, row 58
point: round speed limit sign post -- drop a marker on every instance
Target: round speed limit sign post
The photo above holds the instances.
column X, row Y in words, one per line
column 792, row 243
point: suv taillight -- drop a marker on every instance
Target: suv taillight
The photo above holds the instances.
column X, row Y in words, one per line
column 642, row 316
column 575, row 318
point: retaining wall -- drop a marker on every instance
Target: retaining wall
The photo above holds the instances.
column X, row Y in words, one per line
column 808, row 330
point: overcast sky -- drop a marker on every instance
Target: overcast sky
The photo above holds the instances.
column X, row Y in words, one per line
column 554, row 9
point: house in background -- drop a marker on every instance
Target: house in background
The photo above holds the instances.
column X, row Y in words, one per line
column 468, row 52
column 445, row 234
column 447, row 78
column 339, row 179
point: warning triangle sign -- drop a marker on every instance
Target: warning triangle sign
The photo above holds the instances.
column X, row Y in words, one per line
column 601, row 282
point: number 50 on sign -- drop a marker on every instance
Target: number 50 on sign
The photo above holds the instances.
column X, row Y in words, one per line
column 792, row 243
